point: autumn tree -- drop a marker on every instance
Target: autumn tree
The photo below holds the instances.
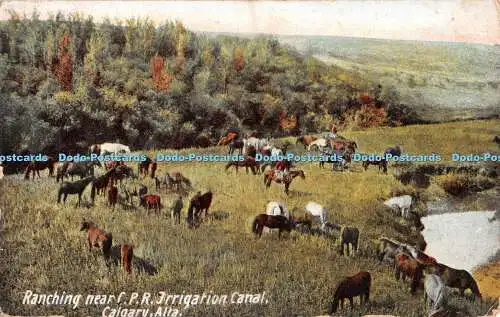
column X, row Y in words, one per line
column 161, row 78
column 239, row 59
column 94, row 60
column 64, row 69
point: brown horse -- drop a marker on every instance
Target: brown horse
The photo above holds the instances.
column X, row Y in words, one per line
column 143, row 167
column 349, row 235
column 201, row 204
column 99, row 184
column 306, row 140
column 272, row 222
column 225, row 140
column 248, row 162
column 454, row 278
column 407, row 266
column 112, row 193
column 97, row 237
column 151, row 201
column 126, row 254
column 152, row 170
column 37, row 166
column 350, row 287
column 270, row 176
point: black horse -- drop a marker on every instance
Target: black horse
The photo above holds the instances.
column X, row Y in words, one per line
column 72, row 188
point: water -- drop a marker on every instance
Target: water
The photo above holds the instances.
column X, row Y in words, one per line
column 462, row 240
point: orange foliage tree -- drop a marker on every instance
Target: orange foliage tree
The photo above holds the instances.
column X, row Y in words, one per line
column 161, row 79
column 239, row 59
column 64, row 68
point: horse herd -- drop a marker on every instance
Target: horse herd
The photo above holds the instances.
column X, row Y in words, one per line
column 407, row 261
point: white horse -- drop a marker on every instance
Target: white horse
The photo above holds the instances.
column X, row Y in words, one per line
column 319, row 143
column 277, row 208
column 259, row 144
column 402, row 203
column 435, row 293
column 317, row 212
column 114, row 148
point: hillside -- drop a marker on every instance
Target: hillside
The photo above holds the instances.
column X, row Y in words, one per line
column 68, row 82
column 441, row 81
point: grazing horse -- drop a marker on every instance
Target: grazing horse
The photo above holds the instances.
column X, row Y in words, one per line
column 382, row 164
column 350, row 287
column 81, row 169
column 272, row 222
column 318, row 144
column 143, row 167
column 270, row 176
column 113, row 148
column 225, row 140
column 151, row 201
column 235, row 144
column 305, row 140
column 126, row 254
column 122, row 172
column 37, row 166
column 177, row 179
column 73, row 188
column 454, row 278
column 112, row 193
column 402, row 203
column 435, row 294
column 99, row 183
column 199, row 204
column 388, row 248
column 248, row 162
column 349, row 235
column 317, row 212
column 97, row 237
column 406, row 266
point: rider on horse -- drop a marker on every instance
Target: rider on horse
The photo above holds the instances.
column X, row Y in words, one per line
column 282, row 168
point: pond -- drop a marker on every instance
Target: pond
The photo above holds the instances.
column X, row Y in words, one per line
column 462, row 240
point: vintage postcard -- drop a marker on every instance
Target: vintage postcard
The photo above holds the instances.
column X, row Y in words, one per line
column 250, row 158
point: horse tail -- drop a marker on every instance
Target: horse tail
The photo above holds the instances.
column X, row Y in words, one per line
column 255, row 225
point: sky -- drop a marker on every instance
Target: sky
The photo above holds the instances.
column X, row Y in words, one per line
column 472, row 21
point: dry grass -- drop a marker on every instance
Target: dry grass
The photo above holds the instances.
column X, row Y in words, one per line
column 298, row 273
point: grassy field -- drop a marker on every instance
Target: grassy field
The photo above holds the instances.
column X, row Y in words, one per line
column 298, row 273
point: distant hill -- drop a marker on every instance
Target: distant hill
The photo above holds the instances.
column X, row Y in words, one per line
column 441, row 81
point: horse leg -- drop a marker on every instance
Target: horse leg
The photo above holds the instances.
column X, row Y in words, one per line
column 38, row 173
column 64, row 199
column 287, row 185
column 351, row 301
